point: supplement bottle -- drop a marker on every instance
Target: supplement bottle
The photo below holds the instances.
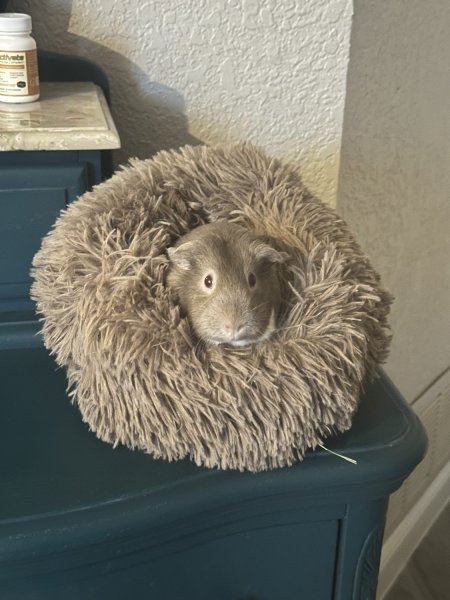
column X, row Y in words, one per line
column 19, row 80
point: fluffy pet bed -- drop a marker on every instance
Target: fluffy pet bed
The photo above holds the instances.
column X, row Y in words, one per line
column 135, row 369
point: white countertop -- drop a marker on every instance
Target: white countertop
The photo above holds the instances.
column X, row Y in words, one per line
column 67, row 116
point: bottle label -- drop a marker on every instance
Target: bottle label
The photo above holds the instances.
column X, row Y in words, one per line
column 19, row 73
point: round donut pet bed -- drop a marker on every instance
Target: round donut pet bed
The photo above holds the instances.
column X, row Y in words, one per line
column 135, row 369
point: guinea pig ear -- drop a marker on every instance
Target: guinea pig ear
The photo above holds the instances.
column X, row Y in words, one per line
column 182, row 256
column 265, row 253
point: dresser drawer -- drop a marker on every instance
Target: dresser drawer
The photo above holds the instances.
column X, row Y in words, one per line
column 234, row 562
column 279, row 562
column 30, row 201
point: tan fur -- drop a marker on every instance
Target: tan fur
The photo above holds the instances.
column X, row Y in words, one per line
column 136, row 371
column 227, row 253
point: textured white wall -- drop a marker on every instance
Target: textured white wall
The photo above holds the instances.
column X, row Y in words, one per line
column 395, row 173
column 216, row 70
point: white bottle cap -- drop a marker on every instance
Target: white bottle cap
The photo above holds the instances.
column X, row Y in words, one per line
column 15, row 23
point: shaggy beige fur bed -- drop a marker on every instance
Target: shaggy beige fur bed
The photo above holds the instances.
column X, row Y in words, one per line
column 135, row 369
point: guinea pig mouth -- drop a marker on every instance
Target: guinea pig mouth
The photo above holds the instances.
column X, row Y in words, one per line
column 244, row 337
column 240, row 343
column 233, row 341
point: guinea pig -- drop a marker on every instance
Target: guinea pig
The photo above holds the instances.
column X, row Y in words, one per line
column 226, row 279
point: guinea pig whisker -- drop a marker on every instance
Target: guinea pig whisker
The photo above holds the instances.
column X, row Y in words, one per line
column 257, row 306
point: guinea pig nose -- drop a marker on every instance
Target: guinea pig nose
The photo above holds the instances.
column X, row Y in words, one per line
column 233, row 329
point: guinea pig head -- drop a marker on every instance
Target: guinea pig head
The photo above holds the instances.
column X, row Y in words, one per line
column 227, row 281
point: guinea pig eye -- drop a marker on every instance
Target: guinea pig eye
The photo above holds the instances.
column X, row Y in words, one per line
column 251, row 280
column 208, row 281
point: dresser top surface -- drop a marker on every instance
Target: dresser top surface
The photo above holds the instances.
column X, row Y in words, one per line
column 67, row 116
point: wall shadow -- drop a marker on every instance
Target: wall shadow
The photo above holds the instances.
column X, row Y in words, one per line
column 149, row 116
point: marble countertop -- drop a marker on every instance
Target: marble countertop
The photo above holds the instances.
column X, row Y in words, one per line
column 67, row 116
